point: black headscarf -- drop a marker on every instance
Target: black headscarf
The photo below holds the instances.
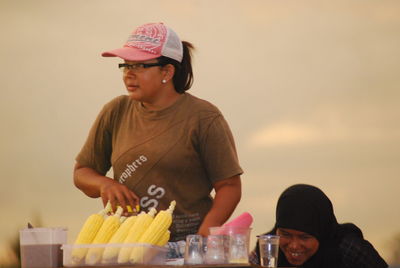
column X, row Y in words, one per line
column 306, row 208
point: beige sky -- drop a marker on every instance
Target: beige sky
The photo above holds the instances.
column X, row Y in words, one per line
column 309, row 88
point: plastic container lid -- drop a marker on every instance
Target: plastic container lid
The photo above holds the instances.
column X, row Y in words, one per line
column 33, row 236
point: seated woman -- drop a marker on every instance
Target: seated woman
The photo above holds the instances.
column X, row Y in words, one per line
column 310, row 236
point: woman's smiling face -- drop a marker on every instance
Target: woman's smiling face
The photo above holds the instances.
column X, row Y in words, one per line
column 297, row 246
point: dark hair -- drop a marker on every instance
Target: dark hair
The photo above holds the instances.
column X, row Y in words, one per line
column 183, row 77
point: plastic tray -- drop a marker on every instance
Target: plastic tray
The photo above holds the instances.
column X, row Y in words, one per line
column 95, row 255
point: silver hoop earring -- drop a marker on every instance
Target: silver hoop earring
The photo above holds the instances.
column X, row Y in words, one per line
column 164, row 81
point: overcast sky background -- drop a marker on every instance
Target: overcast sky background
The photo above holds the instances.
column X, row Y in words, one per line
column 310, row 90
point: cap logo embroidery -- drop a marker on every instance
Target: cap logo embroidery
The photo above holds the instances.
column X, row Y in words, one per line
column 143, row 38
column 148, row 39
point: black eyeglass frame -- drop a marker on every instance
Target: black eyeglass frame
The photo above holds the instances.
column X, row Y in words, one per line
column 140, row 65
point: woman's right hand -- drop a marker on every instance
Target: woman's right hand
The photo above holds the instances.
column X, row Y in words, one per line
column 96, row 185
column 118, row 195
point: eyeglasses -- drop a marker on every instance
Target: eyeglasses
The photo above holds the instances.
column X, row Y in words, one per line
column 137, row 66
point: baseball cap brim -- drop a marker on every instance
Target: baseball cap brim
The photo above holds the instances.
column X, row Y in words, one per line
column 130, row 54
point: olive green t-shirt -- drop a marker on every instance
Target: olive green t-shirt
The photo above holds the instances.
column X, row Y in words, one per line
column 173, row 154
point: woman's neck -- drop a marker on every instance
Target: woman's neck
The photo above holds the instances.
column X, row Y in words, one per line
column 164, row 101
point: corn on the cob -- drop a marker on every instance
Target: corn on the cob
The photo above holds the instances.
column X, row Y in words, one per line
column 154, row 233
column 88, row 232
column 143, row 221
column 107, row 230
column 164, row 239
column 143, row 254
column 110, row 253
column 158, row 226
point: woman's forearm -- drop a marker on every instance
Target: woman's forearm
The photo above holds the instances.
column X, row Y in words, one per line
column 227, row 195
column 89, row 181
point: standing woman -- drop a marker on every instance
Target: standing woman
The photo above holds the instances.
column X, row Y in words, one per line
column 310, row 236
column 161, row 142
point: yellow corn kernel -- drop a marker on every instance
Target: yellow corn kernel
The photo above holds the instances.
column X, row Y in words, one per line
column 143, row 254
column 154, row 233
column 142, row 222
column 164, row 239
column 110, row 253
column 128, row 208
column 139, row 227
column 158, row 226
column 107, row 230
column 88, row 232
column 122, row 232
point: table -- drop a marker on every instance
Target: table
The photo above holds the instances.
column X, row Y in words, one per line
column 179, row 266
column 176, row 266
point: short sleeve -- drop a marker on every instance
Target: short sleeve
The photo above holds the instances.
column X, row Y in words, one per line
column 97, row 150
column 218, row 150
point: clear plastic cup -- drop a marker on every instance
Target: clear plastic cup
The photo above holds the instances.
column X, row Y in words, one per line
column 238, row 248
column 269, row 248
column 194, row 249
column 215, row 253
column 236, row 242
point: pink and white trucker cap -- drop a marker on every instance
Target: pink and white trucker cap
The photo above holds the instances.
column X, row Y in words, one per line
column 149, row 41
